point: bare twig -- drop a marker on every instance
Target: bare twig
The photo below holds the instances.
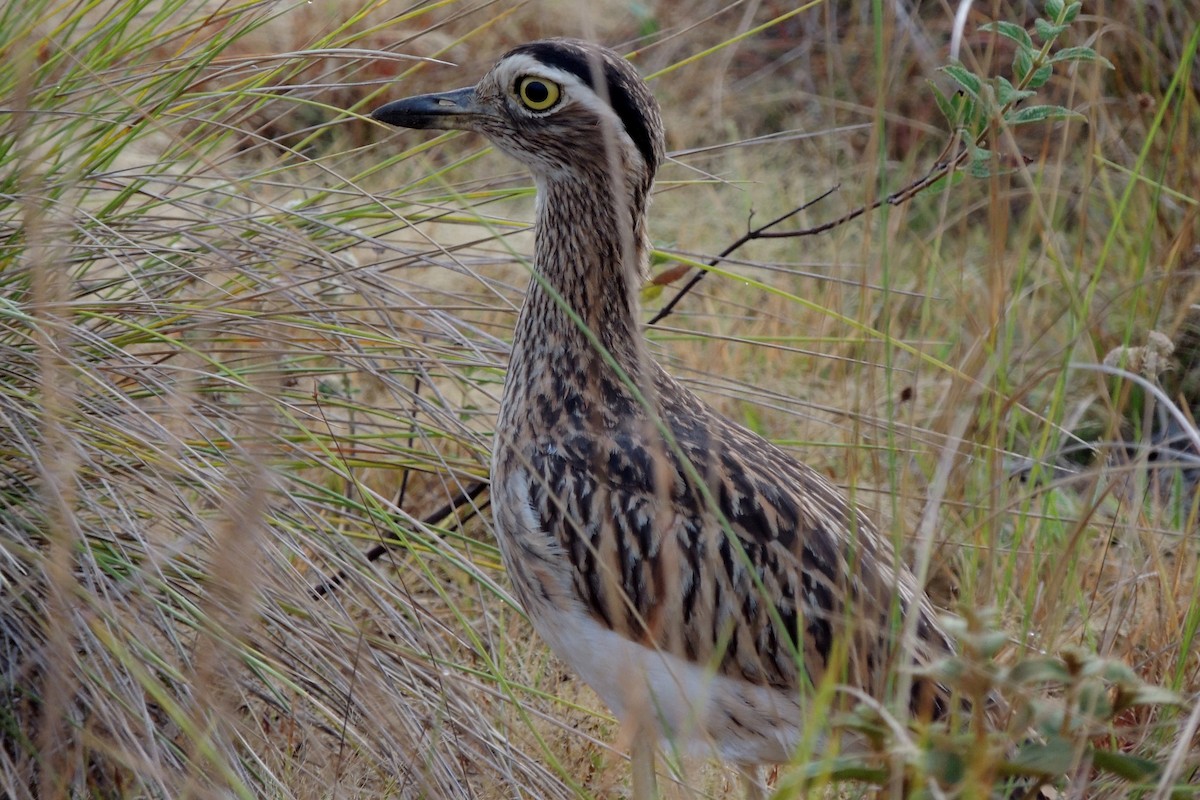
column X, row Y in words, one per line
column 942, row 167
column 750, row 235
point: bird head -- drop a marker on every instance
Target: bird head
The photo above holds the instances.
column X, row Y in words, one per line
column 565, row 108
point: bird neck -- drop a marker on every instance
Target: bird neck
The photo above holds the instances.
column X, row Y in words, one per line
column 590, row 251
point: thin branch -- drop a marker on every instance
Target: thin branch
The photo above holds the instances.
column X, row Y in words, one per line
column 940, row 169
column 750, row 235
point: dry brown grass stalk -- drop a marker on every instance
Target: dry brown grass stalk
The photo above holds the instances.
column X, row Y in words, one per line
column 244, row 340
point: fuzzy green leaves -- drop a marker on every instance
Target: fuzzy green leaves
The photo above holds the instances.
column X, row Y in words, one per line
column 983, row 103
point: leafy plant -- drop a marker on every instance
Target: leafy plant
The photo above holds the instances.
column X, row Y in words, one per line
column 982, row 104
column 1041, row 721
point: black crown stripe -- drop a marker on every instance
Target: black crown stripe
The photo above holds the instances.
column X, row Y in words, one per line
column 620, row 97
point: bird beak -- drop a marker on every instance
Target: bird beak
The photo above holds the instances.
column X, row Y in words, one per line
column 454, row 110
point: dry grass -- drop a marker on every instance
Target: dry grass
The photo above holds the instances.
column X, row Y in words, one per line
column 247, row 335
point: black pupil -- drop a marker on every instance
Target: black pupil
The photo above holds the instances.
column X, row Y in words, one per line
column 536, row 92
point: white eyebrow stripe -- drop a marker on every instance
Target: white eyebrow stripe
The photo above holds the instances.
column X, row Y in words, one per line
column 520, row 64
column 575, row 91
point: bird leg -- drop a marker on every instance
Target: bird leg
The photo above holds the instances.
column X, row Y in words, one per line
column 750, row 782
column 639, row 737
column 641, row 756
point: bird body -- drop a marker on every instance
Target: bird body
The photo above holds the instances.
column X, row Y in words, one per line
column 698, row 577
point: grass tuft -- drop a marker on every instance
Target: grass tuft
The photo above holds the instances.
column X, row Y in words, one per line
column 248, row 337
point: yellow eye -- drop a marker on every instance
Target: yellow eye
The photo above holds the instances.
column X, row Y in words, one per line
column 537, row 94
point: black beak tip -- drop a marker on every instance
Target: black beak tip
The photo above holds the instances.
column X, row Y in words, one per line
column 393, row 113
column 441, row 110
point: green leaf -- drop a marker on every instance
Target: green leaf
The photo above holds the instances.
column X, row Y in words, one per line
column 1039, row 670
column 1145, row 695
column 957, row 627
column 980, row 166
column 968, row 110
column 1054, row 8
column 1047, row 31
column 992, row 642
column 1080, row 54
column 1009, row 30
column 946, row 766
column 951, row 107
column 947, row 670
column 1052, row 757
column 1006, row 94
column 1022, row 63
column 968, row 80
column 1118, row 672
column 1071, row 13
column 1131, row 768
column 651, row 291
column 845, row 768
column 1091, row 699
column 1049, row 720
column 1030, row 114
column 1039, row 77
column 1004, row 90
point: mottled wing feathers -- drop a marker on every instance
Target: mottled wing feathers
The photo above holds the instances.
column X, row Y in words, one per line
column 685, row 560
